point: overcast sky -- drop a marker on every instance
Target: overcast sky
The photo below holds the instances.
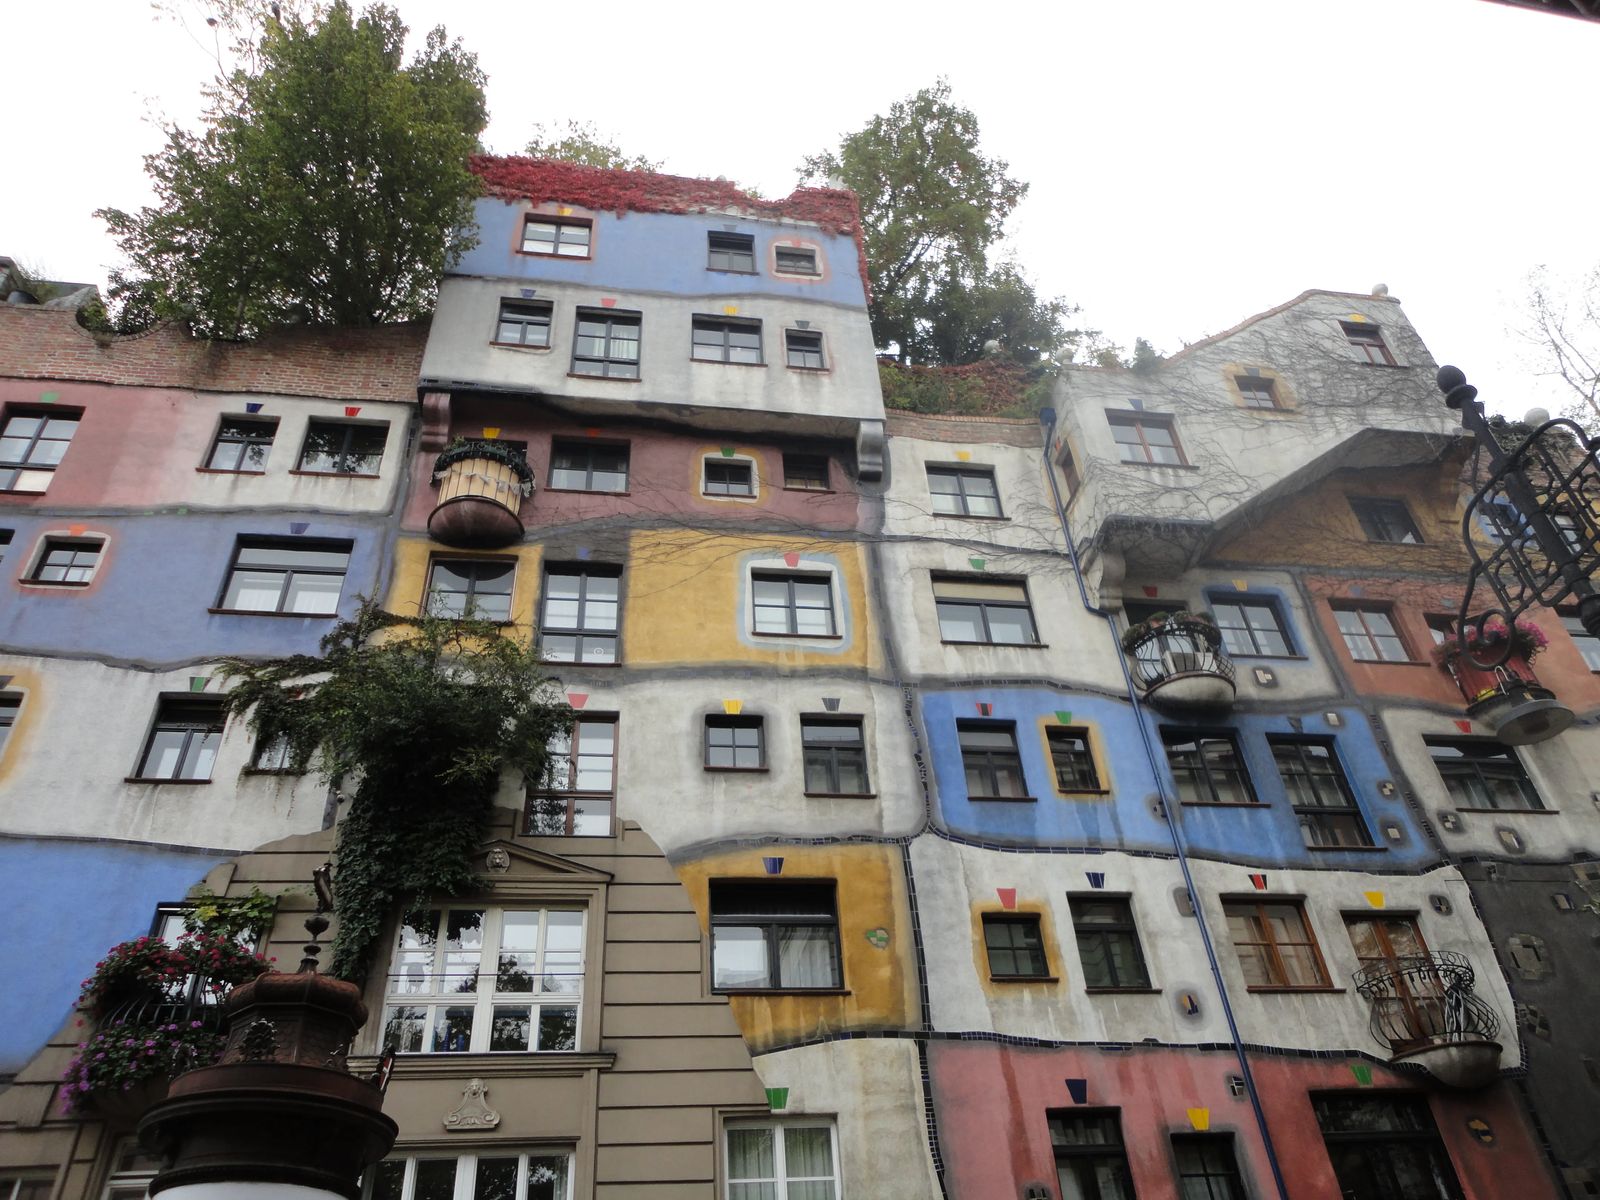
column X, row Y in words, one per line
column 1191, row 163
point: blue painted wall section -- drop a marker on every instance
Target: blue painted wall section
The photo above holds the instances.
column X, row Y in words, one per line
column 67, row 903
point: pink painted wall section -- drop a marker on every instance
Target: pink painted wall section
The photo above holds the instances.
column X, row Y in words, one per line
column 663, row 472
column 993, row 1102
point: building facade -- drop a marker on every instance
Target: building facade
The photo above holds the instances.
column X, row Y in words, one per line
column 953, row 806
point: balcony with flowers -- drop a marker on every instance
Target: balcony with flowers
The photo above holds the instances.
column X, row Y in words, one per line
column 1178, row 661
column 1495, row 675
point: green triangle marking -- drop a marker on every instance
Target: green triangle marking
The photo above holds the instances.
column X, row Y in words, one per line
column 777, row 1098
column 1064, row 717
column 197, row 683
column 1363, row 1073
column 977, row 563
column 49, row 397
column 727, row 452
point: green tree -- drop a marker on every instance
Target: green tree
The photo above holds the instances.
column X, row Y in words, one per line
column 420, row 715
column 580, row 142
column 932, row 207
column 330, row 184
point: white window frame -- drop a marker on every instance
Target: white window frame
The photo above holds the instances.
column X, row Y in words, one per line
column 122, row 1184
column 466, row 1179
column 781, row 1178
column 486, row 999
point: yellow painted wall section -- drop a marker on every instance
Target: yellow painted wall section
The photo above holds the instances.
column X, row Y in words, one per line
column 409, row 587
column 32, row 715
column 1319, row 527
column 880, row 986
column 687, row 600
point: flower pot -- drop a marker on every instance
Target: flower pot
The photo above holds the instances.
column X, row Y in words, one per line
column 121, row 1108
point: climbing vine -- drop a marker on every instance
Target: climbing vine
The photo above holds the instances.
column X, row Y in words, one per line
column 414, row 718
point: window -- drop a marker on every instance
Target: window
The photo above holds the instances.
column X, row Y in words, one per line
column 580, row 784
column 579, row 619
column 607, row 345
column 796, row 605
column 485, row 979
column 964, row 491
column 477, row 588
column 1418, row 1008
column 1485, row 775
column 1385, row 1146
column 1275, row 944
column 70, row 562
column 588, row 467
column 782, row 1160
column 796, row 260
column 717, row 340
column 806, row 472
column 1588, row 645
column 1251, row 628
column 984, row 610
column 735, row 744
column 10, row 709
column 132, row 1171
column 184, row 741
column 1073, row 760
column 835, row 753
column 774, row 936
column 545, row 1175
column 23, row 1187
column 1090, row 1161
column 1369, row 634
column 731, row 252
column 1108, row 943
column 990, row 759
column 340, row 448
column 300, row 577
column 1368, row 341
column 274, row 755
column 1319, row 793
column 32, row 445
column 1441, row 627
column 5, row 543
column 727, row 477
column 803, row 349
column 1207, row 767
column 1146, row 439
column 1256, row 392
column 553, row 235
column 242, row 445
column 1015, row 947
column 1207, row 1167
column 524, row 323
column 1386, row 521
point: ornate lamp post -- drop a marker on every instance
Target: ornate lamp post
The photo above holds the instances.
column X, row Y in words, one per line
column 1551, row 483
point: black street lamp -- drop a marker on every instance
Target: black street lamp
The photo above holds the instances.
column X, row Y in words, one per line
column 1543, row 498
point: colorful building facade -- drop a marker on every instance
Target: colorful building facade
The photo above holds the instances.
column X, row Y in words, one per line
column 954, row 807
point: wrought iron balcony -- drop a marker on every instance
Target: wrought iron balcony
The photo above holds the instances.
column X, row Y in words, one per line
column 1425, row 1011
column 481, row 489
column 1180, row 663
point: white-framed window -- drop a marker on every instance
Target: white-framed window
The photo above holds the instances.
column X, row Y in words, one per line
column 724, row 477
column 132, row 1169
column 485, row 979
column 33, row 1187
column 795, row 1159
column 544, row 1174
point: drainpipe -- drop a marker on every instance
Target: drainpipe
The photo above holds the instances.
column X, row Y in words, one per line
column 1047, row 418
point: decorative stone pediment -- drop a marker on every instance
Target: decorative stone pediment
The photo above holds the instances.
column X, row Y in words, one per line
column 474, row 1111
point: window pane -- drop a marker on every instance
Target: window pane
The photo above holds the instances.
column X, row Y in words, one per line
column 452, row 1029
column 511, row 1027
column 436, row 1179
column 496, row 1179
column 315, row 594
column 558, row 1027
column 547, row 1177
column 739, row 956
column 807, row 957
column 750, row 1154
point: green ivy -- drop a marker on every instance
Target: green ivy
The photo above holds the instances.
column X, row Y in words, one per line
column 421, row 715
column 230, row 916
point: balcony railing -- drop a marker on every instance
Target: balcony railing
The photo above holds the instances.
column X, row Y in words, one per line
column 1181, row 663
column 1425, row 1011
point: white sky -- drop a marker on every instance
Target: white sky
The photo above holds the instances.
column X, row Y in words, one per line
column 1191, row 162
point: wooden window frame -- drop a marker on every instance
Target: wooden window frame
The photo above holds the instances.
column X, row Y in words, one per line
column 1202, row 771
column 582, row 633
column 560, row 446
column 1368, row 338
column 1138, row 421
column 20, row 464
column 790, row 607
column 833, row 753
column 1257, row 906
column 1246, row 605
column 573, row 797
column 1083, row 769
column 209, row 718
column 1467, row 766
column 769, row 924
column 725, row 327
column 1362, row 612
column 984, row 608
column 53, row 544
column 560, row 222
column 734, row 246
column 1253, row 387
column 613, row 320
column 289, row 572
column 1380, row 516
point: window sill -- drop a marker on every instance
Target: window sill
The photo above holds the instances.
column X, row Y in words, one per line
column 814, row 491
column 1007, row 645
column 1122, row 991
column 1268, row 657
column 483, row 1063
column 1091, row 792
column 520, row 346
column 257, row 612
column 1024, row 979
column 335, row 474
column 177, row 782
column 1320, row 990
column 289, row 771
column 1222, row 804
column 738, row 770
column 220, row 471
column 1391, row 662
column 56, row 583
column 563, row 257
column 1003, row 799
column 717, row 362
column 1514, row 812
column 969, row 517
column 1351, row 849
column 736, row 497
column 797, row 275
column 603, row 378
column 731, row 271
column 840, row 795
column 567, row 662
column 585, row 491
column 19, row 491
column 1159, row 466
column 811, row 370
column 838, row 991
column 806, row 637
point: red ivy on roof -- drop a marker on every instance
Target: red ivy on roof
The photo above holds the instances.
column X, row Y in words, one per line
column 546, row 180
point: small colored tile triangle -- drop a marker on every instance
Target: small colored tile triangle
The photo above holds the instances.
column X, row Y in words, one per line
column 1063, row 716
column 352, row 410
column 977, row 563
column 491, row 431
column 1008, row 897
column 252, row 406
column 1376, row 899
column 791, row 559
column 773, row 865
column 733, row 707
column 577, row 699
column 777, row 1099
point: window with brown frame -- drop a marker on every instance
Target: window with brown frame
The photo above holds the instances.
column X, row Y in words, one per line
column 1396, row 944
column 1257, row 392
column 559, row 237
column 1142, row 438
column 580, row 786
column 1369, row 633
column 1276, row 947
column 1385, row 1146
column 1368, row 341
column 1385, row 519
